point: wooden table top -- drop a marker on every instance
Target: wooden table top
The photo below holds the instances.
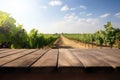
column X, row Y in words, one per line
column 63, row 59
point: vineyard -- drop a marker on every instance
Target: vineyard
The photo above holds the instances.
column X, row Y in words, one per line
column 109, row 37
column 14, row 36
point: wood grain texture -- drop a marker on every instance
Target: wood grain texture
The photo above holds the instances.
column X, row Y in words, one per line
column 60, row 58
column 66, row 58
column 6, row 50
column 8, row 53
column 88, row 59
column 10, row 58
column 27, row 60
column 109, row 57
column 49, row 59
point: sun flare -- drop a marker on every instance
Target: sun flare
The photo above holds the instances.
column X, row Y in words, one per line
column 18, row 6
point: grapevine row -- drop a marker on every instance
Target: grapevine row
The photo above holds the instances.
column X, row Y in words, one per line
column 108, row 37
column 14, row 36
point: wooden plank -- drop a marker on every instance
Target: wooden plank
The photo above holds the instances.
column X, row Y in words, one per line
column 111, row 52
column 6, row 50
column 11, row 52
column 11, row 58
column 98, row 57
column 2, row 49
column 67, row 59
column 87, row 60
column 108, row 57
column 27, row 60
column 47, row 60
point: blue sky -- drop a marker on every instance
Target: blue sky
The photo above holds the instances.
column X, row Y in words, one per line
column 68, row 16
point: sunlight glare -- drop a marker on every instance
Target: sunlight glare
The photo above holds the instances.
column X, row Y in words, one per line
column 18, row 6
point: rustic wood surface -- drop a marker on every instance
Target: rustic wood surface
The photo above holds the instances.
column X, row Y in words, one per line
column 59, row 58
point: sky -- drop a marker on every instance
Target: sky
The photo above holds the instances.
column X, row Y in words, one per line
column 63, row 16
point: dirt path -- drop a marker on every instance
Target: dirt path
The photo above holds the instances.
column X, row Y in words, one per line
column 64, row 42
column 67, row 43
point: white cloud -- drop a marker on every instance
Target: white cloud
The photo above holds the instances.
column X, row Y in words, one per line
column 72, row 9
column 83, row 7
column 55, row 3
column 70, row 17
column 105, row 15
column 117, row 14
column 75, row 24
column 89, row 14
column 85, row 13
column 65, row 8
column 74, row 18
column 82, row 13
column 43, row 7
column 90, row 21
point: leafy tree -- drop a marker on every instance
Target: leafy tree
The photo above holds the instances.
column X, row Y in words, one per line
column 33, row 38
column 14, row 36
column 20, row 38
column 100, row 38
column 117, row 32
column 110, row 34
column 41, row 40
column 7, row 24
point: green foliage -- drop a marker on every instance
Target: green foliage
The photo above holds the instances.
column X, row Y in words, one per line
column 33, row 38
column 100, row 37
column 38, row 40
column 85, row 38
column 118, row 46
column 14, row 36
column 12, row 46
column 110, row 34
column 6, row 23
